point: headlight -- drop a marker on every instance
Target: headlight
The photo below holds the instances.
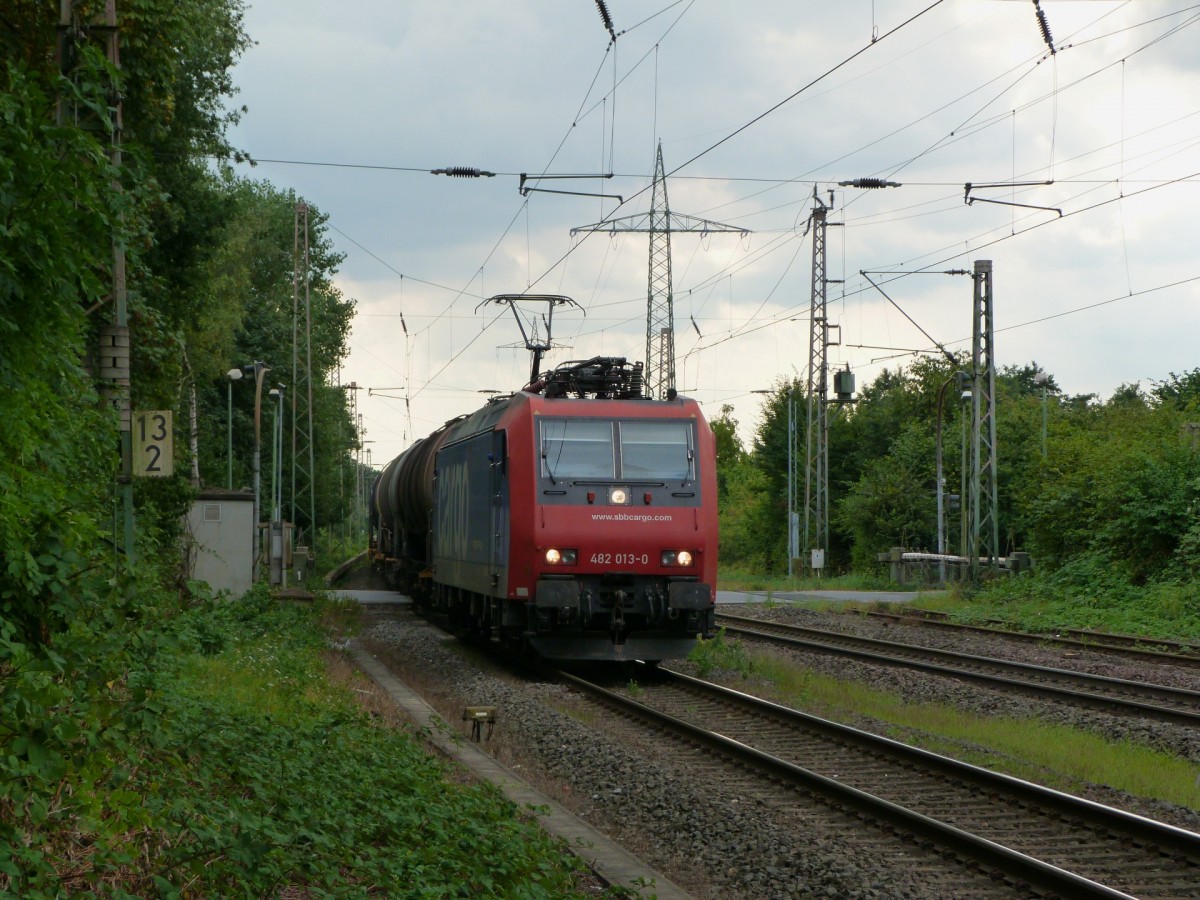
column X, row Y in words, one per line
column 556, row 557
column 618, row 495
column 681, row 558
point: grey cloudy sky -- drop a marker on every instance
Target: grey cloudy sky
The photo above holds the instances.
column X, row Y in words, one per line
column 929, row 95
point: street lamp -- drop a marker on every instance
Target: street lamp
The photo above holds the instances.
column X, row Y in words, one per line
column 233, row 375
column 967, row 501
column 277, row 567
column 961, row 378
column 792, row 514
column 259, row 369
column 277, row 455
column 1043, row 379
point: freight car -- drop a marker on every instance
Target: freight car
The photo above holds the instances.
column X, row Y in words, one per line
column 575, row 517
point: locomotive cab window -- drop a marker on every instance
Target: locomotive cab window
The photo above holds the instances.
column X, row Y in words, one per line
column 658, row 451
column 633, row 450
column 575, row 448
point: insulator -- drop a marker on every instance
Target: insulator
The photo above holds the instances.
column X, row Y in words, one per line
column 608, row 25
column 462, row 172
column 1045, row 26
column 868, row 183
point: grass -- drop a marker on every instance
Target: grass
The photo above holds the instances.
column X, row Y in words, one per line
column 1166, row 612
column 1055, row 755
column 1035, row 602
column 262, row 774
column 1171, row 612
column 736, row 580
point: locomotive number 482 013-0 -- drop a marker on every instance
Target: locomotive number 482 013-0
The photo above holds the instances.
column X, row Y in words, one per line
column 621, row 559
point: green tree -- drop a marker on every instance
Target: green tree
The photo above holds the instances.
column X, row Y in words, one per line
column 747, row 531
column 251, row 276
column 68, row 620
column 74, row 641
column 1180, row 391
column 1118, row 492
column 769, row 456
column 893, row 503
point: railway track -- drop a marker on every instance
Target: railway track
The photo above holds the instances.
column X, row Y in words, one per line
column 1032, row 839
column 1159, row 702
column 1161, row 652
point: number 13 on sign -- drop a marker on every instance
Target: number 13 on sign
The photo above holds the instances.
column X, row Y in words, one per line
column 153, row 448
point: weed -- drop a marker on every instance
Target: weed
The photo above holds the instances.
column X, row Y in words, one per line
column 719, row 653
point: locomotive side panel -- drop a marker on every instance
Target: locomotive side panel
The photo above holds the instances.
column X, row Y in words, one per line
column 470, row 503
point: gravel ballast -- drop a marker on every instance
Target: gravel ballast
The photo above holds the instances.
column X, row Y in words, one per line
column 722, row 839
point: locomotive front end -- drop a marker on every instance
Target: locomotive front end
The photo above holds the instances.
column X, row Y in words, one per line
column 624, row 530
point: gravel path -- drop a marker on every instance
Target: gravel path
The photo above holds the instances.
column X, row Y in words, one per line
column 724, row 841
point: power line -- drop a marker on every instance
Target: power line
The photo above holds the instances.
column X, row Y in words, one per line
column 681, row 176
column 1058, row 315
column 790, row 314
column 840, row 65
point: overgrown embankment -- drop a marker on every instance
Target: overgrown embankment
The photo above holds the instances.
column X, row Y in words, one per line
column 242, row 770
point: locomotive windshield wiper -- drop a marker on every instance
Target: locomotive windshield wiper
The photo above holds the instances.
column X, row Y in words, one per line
column 549, row 471
column 630, row 482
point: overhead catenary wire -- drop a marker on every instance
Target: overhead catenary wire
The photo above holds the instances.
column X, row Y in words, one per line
column 1054, row 94
column 714, row 278
column 749, row 124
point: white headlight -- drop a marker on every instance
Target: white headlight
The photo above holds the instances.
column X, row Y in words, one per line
column 683, row 558
column 556, row 557
column 619, row 495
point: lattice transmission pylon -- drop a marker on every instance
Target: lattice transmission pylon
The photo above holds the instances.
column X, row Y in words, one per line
column 660, row 223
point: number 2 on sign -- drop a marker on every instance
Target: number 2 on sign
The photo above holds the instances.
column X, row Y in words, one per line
column 153, row 454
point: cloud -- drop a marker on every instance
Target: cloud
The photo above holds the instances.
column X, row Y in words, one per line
column 965, row 92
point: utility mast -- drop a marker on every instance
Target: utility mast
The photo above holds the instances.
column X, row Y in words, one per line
column 303, row 490
column 816, row 472
column 982, row 507
column 113, row 353
column 355, row 444
column 659, row 223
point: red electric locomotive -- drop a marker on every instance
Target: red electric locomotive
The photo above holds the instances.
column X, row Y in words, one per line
column 575, row 517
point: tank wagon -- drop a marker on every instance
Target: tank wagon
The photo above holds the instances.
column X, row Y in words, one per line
column 574, row 517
